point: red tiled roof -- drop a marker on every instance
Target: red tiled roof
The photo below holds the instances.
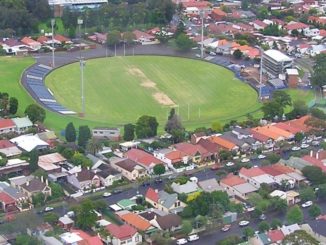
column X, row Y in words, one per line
column 258, row 136
column 136, row 221
column 232, row 180
column 218, row 11
column 296, row 26
column 141, row 34
column 315, row 162
column 122, row 232
column 283, row 169
column 202, row 4
column 5, row 144
column 61, row 38
column 222, row 142
column 151, row 194
column 42, row 39
column 6, row 199
column 191, row 149
column 251, row 172
column 270, row 170
column 175, row 156
column 6, row 123
column 260, row 23
column 29, row 41
column 275, row 235
column 142, row 157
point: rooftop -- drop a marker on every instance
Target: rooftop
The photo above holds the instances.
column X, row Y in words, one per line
column 277, row 55
column 122, row 232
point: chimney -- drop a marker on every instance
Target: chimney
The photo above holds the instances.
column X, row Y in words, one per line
column 156, row 190
column 46, row 182
column 27, row 183
column 42, row 178
column 317, row 155
column 311, row 153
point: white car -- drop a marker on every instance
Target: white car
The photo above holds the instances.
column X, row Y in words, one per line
column 315, row 143
column 193, row 237
column 106, row 194
column 304, row 146
column 245, row 160
column 306, row 204
column 229, row 164
column 244, row 223
column 295, row 148
column 261, row 156
column 212, row 53
column 181, row 241
column 48, row 209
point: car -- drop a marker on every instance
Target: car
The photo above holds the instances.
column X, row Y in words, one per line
column 295, row 148
column 193, row 237
column 243, row 160
column 262, row 217
column 158, row 181
column 106, row 194
column 146, row 184
column 48, row 209
column 244, row 223
column 226, row 228
column 198, row 56
column 304, row 146
column 212, row 53
column 229, row 164
column 315, row 143
column 306, row 204
column 261, row 156
column 181, row 241
column 116, row 191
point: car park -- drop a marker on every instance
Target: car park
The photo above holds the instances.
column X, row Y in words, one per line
column 307, row 204
column 244, row 223
column 193, row 237
column 106, row 194
column 181, row 241
column 226, row 228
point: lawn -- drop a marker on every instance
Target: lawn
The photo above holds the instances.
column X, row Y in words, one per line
column 119, row 90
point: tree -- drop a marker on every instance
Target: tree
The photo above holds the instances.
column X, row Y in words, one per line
column 307, row 194
column 183, row 42
column 294, row 215
column 85, row 215
column 13, row 105
column 315, row 112
column 186, row 227
column 24, row 239
column 299, row 237
column 283, row 98
column 129, row 37
column 321, row 193
column 129, row 132
column 35, row 113
column 244, row 5
column 2, row 51
column 237, row 54
column 79, row 159
column 314, row 211
column 180, row 29
column 273, row 158
column 33, row 160
column 248, row 232
column 278, row 204
column 51, row 218
column 113, row 38
column 84, row 135
column 94, row 146
column 56, row 190
column 298, row 137
column 38, row 199
column 276, row 223
column 159, row 169
column 263, row 226
column 319, row 75
column 174, row 127
column 299, row 109
column 314, row 174
column 272, row 109
column 231, row 240
column 146, row 126
column 70, row 132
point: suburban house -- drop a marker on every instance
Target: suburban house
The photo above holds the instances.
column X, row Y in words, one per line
column 22, row 124
column 259, row 25
column 14, row 47
column 164, row 201
column 9, row 149
column 247, row 136
column 50, row 163
column 14, row 166
column 209, row 146
column 186, row 188
column 197, row 153
column 34, row 45
column 7, row 203
column 35, row 186
column 129, row 168
column 7, row 126
column 291, row 197
column 123, row 235
column 15, row 194
column 144, row 38
column 243, row 145
column 143, row 158
column 75, row 237
column 62, row 39
column 223, row 143
column 169, row 222
column 29, row 143
column 236, row 186
column 267, row 142
column 256, row 176
column 295, row 26
column 112, row 134
column 65, row 223
column 108, row 175
column 98, row 37
column 195, row 137
column 217, row 14
column 83, row 180
column 273, row 132
column 210, row 185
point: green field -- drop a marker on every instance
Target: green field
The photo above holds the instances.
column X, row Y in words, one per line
column 212, row 88
column 119, row 90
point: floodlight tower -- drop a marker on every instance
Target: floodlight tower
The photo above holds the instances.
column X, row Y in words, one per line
column 52, row 26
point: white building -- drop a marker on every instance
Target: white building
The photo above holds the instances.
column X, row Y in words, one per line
column 311, row 32
column 275, row 62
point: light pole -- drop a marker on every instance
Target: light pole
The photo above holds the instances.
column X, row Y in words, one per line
column 52, row 26
column 82, row 63
column 80, row 22
column 260, row 71
column 202, row 13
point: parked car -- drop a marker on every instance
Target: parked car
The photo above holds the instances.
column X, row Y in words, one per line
column 262, row 217
column 193, row 237
column 306, row 204
column 212, row 53
column 226, row 228
column 243, row 160
column 181, row 241
column 158, row 181
column 315, row 143
column 261, row 156
column 48, row 209
column 146, row 184
column 229, row 164
column 106, row 194
column 304, row 146
column 116, row 191
column 295, row 148
column 244, row 223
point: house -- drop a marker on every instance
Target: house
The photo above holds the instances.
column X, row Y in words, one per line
column 256, row 176
column 291, row 197
column 62, row 39
column 164, row 201
column 195, row 137
column 186, row 188
column 223, row 143
column 48, row 136
column 123, row 235
column 210, row 146
column 197, row 153
column 259, row 25
column 247, row 136
column 236, row 186
column 143, row 158
column 274, row 133
column 35, row 186
column 210, row 185
column 65, row 223
column 7, row 203
column 276, row 236
column 83, row 180
column 14, row 193
column 129, row 169
column 29, row 143
column 22, row 124
column 14, row 166
column 9, row 149
column 267, row 142
column 14, row 47
column 217, row 14
column 75, row 237
column 136, row 221
column 260, row 239
column 34, row 45
column 108, row 175
column 126, row 204
column 98, row 37
column 229, row 136
column 7, row 126
column 167, row 223
column 50, row 163
column 292, row 77
column 112, row 134
column 144, row 38
column 314, row 32
column 298, row 26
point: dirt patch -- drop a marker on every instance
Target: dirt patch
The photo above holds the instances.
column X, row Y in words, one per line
column 158, row 95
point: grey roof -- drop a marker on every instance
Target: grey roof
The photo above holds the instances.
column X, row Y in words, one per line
column 245, row 188
column 210, row 185
column 232, row 138
column 318, row 226
column 11, row 191
column 66, row 220
column 167, row 200
column 295, row 162
column 242, row 131
column 186, row 188
column 22, row 122
column 169, row 221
